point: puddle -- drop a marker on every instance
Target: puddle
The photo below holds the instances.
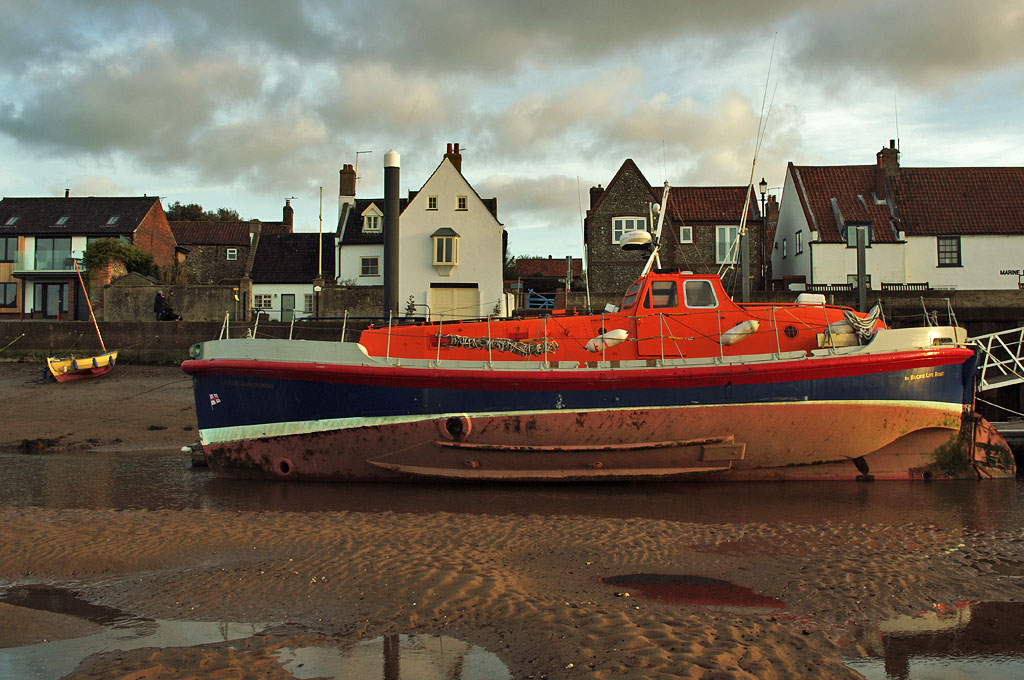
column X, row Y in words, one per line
column 396, row 657
column 56, row 658
column 699, row 590
column 978, row 640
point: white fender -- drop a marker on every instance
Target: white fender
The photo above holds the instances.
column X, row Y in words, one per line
column 605, row 340
column 739, row 332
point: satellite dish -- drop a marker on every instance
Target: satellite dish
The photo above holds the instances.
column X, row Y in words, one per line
column 635, row 240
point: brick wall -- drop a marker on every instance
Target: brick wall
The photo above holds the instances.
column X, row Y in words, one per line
column 211, row 263
column 154, row 235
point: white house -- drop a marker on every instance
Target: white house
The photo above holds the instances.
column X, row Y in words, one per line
column 284, row 273
column 450, row 245
column 954, row 228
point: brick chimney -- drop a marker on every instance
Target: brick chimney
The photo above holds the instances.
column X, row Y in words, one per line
column 772, row 209
column 289, row 214
column 454, row 156
column 595, row 193
column 887, row 169
column 347, row 184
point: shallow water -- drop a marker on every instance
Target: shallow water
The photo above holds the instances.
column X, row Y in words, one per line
column 147, row 480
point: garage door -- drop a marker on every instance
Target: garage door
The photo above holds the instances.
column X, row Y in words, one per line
column 454, row 302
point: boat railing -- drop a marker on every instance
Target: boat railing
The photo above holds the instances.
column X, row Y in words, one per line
column 1000, row 363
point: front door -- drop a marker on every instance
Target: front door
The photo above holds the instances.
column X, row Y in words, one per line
column 287, row 306
column 51, row 299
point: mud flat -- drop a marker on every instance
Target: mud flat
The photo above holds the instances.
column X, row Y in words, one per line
column 549, row 596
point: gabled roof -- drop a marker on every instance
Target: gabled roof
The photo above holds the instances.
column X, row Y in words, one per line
column 833, row 196
column 691, row 204
column 85, row 216
column 217, row 233
column 213, row 233
column 935, row 201
column 291, row 258
column 707, row 204
column 352, row 231
column 918, row 201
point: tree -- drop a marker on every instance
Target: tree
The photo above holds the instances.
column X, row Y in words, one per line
column 193, row 212
column 102, row 251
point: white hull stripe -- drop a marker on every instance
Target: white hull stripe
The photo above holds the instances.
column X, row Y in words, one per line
column 220, row 435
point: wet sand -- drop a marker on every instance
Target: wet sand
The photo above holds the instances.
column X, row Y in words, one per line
column 527, row 588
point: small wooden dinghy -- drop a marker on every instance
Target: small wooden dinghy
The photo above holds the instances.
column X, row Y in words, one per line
column 72, row 368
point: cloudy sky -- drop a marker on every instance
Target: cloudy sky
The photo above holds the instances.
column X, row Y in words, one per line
column 244, row 103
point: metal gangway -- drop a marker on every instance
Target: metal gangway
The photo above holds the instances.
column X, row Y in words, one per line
column 1000, row 363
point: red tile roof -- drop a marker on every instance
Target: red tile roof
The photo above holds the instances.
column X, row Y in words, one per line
column 708, row 204
column 924, row 201
column 211, row 233
column 549, row 267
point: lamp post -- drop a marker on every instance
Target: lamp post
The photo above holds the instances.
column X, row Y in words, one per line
column 763, row 187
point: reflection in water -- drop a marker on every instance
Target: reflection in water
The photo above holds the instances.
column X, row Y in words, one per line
column 166, row 481
column 699, row 590
column 57, row 658
column 968, row 640
column 402, row 657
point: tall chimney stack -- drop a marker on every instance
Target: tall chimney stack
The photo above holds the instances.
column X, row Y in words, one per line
column 391, row 231
column 454, row 156
column 289, row 214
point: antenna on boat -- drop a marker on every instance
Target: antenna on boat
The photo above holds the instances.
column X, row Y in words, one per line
column 656, row 237
column 762, row 125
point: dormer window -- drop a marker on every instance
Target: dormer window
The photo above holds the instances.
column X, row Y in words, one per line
column 372, row 220
column 113, row 220
column 431, row 202
column 11, row 221
column 851, row 234
column 62, row 222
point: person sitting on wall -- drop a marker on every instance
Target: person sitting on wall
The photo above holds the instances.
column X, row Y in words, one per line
column 158, row 304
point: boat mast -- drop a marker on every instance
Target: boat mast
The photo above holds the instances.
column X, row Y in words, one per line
column 657, row 234
column 89, row 305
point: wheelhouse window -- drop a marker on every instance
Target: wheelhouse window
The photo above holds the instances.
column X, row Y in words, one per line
column 726, row 246
column 685, row 234
column 51, row 253
column 630, row 298
column 369, row 266
column 621, row 225
column 232, row 254
column 663, row 294
column 949, row 251
column 699, row 294
column 8, row 248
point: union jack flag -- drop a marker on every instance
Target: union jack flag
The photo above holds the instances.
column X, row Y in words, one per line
column 214, row 400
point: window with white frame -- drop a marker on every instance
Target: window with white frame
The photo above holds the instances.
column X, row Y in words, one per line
column 461, row 203
column 232, row 254
column 307, row 303
column 621, row 225
column 685, row 234
column 369, row 266
column 431, row 202
column 726, row 246
column 261, row 301
column 851, row 235
column 799, row 242
column 852, row 280
column 372, row 219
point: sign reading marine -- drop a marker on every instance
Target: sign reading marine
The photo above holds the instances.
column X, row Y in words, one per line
column 524, row 349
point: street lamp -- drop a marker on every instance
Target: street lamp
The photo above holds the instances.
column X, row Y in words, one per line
column 763, row 186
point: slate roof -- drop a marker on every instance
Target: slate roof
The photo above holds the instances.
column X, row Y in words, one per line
column 353, row 234
column 919, row 201
column 87, row 216
column 291, row 258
